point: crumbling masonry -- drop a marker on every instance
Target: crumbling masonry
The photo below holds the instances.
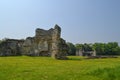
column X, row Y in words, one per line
column 44, row 43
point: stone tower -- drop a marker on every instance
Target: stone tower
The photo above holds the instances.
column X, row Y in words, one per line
column 59, row 47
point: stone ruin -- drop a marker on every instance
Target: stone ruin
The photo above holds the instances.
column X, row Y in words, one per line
column 44, row 43
column 80, row 52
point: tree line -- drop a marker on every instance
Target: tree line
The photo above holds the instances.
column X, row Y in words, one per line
column 110, row 48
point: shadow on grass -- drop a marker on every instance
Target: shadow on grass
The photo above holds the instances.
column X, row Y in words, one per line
column 75, row 58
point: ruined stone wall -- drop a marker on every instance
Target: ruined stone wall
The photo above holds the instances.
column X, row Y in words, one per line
column 11, row 47
column 44, row 43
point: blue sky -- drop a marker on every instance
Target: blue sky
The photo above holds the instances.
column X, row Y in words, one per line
column 82, row 21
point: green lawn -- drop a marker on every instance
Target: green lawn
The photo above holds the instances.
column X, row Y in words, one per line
column 46, row 68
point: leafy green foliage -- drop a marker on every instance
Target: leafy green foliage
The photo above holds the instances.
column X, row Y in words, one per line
column 72, row 48
column 79, row 46
column 111, row 48
column 84, row 47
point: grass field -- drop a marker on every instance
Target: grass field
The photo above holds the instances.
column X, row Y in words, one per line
column 46, row 68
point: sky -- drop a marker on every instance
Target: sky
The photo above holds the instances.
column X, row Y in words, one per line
column 81, row 21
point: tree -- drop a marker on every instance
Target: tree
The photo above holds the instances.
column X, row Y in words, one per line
column 99, row 48
column 72, row 48
column 87, row 47
column 79, row 46
column 111, row 48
